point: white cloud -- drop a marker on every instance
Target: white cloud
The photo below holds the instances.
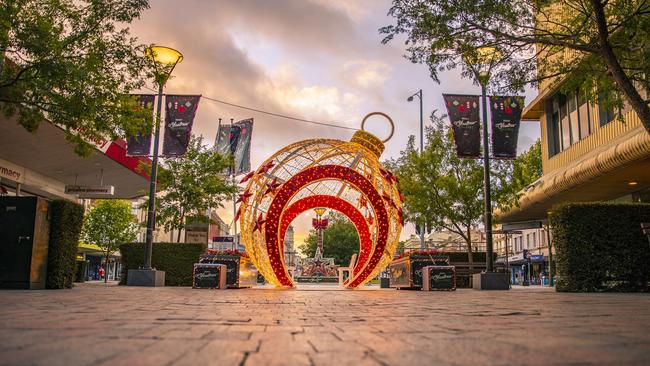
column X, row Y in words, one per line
column 366, row 73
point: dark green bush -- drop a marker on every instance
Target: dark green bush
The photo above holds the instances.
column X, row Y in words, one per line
column 176, row 259
column 600, row 247
column 66, row 219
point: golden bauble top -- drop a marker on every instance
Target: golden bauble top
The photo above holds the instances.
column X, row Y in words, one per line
column 369, row 141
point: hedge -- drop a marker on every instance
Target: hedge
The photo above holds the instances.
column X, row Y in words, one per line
column 66, row 219
column 176, row 259
column 600, row 247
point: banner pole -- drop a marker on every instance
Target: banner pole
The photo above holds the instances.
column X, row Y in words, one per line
column 489, row 260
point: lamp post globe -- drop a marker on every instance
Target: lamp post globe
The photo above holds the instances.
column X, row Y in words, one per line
column 164, row 55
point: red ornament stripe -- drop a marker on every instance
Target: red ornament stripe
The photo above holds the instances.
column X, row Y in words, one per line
column 335, row 203
column 297, row 182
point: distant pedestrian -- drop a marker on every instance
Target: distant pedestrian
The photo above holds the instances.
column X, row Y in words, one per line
column 101, row 273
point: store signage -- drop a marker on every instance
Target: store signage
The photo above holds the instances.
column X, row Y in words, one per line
column 537, row 258
column 196, row 237
column 12, row 172
column 90, row 191
column 223, row 239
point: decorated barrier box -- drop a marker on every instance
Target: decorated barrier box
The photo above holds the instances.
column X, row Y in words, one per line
column 209, row 275
column 240, row 270
column 406, row 272
column 439, row 278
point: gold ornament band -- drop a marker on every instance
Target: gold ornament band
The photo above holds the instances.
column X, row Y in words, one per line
column 369, row 141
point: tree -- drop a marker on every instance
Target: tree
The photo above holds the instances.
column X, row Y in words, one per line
column 108, row 224
column 73, row 63
column 598, row 46
column 340, row 240
column 526, row 169
column 441, row 190
column 192, row 183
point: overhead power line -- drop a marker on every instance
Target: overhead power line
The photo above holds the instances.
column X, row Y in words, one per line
column 276, row 114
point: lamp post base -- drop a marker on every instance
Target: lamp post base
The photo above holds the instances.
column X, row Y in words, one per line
column 491, row 281
column 145, row 277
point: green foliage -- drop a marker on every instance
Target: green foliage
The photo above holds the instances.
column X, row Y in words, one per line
column 526, row 169
column 66, row 219
column 340, row 240
column 108, row 224
column 176, row 259
column 600, row 247
column 440, row 189
column 73, row 63
column 596, row 46
column 192, row 183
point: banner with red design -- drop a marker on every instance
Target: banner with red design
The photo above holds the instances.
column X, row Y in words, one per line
column 463, row 111
column 140, row 145
column 506, row 117
column 179, row 117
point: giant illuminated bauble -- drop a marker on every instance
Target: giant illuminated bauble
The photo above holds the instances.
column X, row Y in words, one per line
column 340, row 175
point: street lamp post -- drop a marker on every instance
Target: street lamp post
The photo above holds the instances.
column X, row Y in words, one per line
column 410, row 99
column 481, row 62
column 165, row 60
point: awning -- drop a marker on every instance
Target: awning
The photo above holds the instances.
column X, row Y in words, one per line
column 92, row 249
column 601, row 175
column 51, row 157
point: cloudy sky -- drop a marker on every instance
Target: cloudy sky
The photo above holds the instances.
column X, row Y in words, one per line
column 316, row 59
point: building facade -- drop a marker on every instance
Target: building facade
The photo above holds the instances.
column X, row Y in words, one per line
column 512, row 250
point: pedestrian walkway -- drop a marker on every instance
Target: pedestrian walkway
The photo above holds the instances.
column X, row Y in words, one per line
column 117, row 325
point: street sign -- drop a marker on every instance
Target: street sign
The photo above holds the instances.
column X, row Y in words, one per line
column 90, row 191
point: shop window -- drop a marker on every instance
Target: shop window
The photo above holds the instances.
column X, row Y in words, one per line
column 584, row 116
column 565, row 130
column 572, row 107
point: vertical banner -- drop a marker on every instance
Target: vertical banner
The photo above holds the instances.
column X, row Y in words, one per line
column 140, row 145
column 241, row 150
column 179, row 116
column 463, row 113
column 222, row 142
column 506, row 117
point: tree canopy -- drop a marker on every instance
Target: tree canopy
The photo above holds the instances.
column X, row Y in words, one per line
column 191, row 184
column 340, row 240
column 108, row 224
column 526, row 169
column 73, row 63
column 598, row 46
column 443, row 191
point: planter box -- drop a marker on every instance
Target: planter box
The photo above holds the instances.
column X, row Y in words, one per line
column 407, row 272
column 208, row 275
column 439, row 278
column 240, row 270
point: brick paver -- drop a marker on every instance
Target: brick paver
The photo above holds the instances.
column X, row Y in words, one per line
column 96, row 324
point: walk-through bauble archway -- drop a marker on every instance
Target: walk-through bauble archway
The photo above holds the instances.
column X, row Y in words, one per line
column 340, row 175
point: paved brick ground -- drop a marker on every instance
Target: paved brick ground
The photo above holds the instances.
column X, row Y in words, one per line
column 95, row 324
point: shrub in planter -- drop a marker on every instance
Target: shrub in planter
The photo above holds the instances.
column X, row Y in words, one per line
column 176, row 259
column 66, row 219
column 600, row 247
